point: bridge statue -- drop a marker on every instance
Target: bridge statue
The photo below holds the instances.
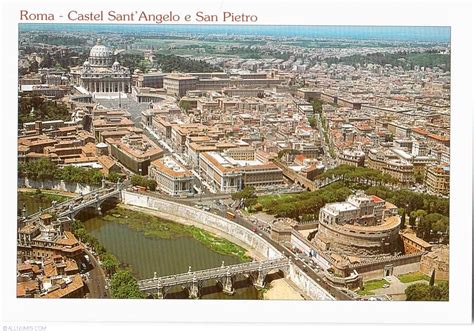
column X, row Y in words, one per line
column 194, row 288
column 227, row 283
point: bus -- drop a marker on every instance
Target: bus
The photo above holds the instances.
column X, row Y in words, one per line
column 230, row 215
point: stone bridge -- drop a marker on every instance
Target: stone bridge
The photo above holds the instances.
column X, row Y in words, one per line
column 71, row 207
column 295, row 177
column 303, row 181
column 225, row 275
column 93, row 199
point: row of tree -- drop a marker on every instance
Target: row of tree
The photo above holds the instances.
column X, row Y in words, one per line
column 135, row 61
column 430, row 226
column 404, row 59
column 61, row 40
column 37, row 108
column 170, row 63
column 302, row 206
column 138, row 180
column 412, row 201
column 44, row 169
column 166, row 63
column 123, row 284
column 358, row 175
column 62, row 60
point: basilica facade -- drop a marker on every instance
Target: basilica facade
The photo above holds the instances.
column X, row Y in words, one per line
column 101, row 73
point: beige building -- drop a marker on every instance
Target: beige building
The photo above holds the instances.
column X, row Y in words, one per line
column 400, row 170
column 226, row 174
column 241, row 153
column 389, row 163
column 437, row 180
column 172, row 177
column 177, row 85
column 219, row 172
column 351, row 157
column 135, row 151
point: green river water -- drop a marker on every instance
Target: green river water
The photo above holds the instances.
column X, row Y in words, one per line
column 170, row 251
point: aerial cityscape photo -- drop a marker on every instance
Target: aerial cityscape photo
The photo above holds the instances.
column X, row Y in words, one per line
column 233, row 162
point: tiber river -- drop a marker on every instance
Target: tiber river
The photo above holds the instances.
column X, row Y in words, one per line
column 149, row 254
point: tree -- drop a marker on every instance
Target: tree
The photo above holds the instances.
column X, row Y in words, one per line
column 114, row 177
column 389, row 137
column 96, row 177
column 151, row 184
column 45, row 169
column 414, row 215
column 82, row 234
column 419, row 177
column 403, row 219
column 439, row 223
column 443, row 288
column 289, row 151
column 290, row 210
column 110, row 263
column 247, row 192
column 124, row 286
column 317, row 105
column 415, row 201
column 144, row 65
column 185, row 105
column 247, row 195
column 432, row 278
column 138, row 180
column 37, row 108
column 34, row 66
column 423, row 229
column 425, row 292
column 418, row 292
column 312, row 122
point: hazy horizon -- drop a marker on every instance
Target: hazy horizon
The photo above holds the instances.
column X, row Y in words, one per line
column 390, row 33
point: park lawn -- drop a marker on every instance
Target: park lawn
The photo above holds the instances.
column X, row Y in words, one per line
column 413, row 277
column 372, row 285
column 270, row 201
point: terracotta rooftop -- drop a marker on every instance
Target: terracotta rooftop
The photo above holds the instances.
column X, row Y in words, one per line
column 415, row 239
column 58, row 292
column 106, row 161
column 23, row 287
column 69, row 240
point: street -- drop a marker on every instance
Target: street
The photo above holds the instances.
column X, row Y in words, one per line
column 96, row 282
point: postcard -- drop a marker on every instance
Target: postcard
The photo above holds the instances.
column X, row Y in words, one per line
column 223, row 157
